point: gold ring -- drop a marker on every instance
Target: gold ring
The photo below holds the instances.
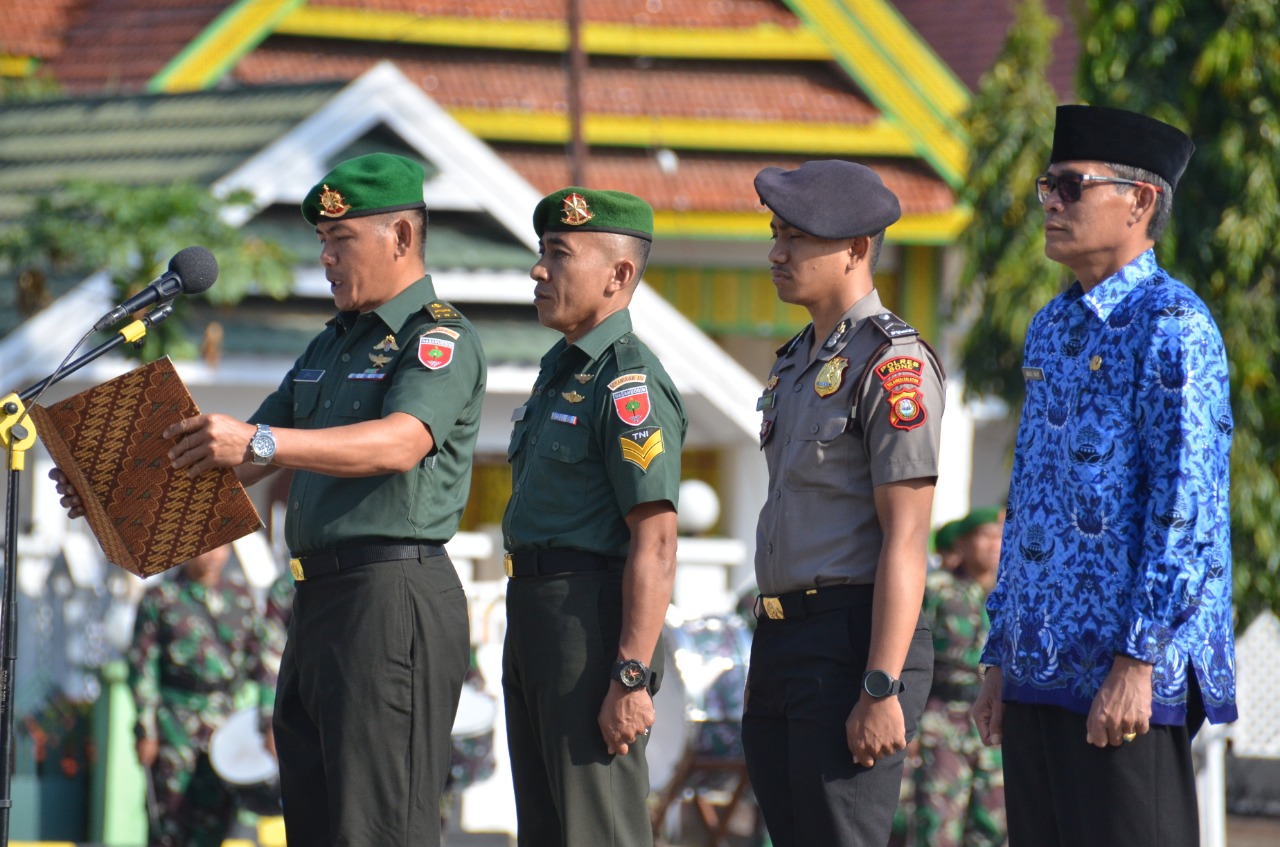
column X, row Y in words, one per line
column 1129, row 736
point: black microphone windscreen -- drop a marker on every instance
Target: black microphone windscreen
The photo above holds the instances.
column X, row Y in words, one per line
column 196, row 267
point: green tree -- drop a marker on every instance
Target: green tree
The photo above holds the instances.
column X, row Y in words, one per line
column 1212, row 67
column 130, row 232
column 1006, row 276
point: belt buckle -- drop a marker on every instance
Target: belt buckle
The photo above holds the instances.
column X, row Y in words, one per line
column 773, row 608
column 508, row 565
column 295, row 568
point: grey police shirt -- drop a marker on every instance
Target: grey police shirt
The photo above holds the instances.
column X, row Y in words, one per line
column 826, row 453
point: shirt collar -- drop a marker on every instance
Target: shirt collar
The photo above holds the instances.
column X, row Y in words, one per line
column 865, row 307
column 395, row 311
column 1103, row 298
column 597, row 340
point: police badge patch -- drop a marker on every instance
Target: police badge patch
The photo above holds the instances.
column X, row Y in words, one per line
column 901, row 378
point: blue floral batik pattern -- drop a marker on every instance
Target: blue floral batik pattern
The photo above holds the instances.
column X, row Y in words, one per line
column 1117, row 539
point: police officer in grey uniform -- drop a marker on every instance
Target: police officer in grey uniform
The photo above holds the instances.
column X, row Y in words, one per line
column 842, row 660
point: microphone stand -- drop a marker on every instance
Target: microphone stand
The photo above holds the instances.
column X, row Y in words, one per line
column 18, row 433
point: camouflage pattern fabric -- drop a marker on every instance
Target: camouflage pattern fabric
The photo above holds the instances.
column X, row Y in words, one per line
column 959, row 784
column 194, row 648
column 275, row 619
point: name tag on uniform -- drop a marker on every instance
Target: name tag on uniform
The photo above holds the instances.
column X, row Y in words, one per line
column 1033, row 374
column 308, row 375
column 517, row 414
column 766, row 401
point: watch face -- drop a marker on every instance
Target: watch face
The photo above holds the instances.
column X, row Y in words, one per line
column 631, row 674
column 877, row 683
column 263, row 445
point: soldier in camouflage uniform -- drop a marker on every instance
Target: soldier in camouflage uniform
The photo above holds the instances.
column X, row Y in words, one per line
column 197, row 641
column 959, row 784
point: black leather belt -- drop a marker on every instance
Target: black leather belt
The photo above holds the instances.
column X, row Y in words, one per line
column 801, row 604
column 345, row 558
column 564, row 560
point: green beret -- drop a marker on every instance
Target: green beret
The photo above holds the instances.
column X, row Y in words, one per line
column 944, row 539
column 977, row 518
column 583, row 210
column 366, row 185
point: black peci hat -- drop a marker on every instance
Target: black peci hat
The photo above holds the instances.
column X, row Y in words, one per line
column 1099, row 134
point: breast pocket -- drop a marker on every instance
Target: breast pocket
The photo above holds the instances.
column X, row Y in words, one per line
column 306, row 397
column 559, row 454
column 359, row 400
column 823, row 455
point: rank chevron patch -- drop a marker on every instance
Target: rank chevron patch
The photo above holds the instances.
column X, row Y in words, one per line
column 641, row 447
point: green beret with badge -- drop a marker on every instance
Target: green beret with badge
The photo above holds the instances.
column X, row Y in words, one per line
column 576, row 209
column 366, row 185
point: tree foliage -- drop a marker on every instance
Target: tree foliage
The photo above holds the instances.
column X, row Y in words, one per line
column 1006, row 276
column 131, row 232
column 1212, row 67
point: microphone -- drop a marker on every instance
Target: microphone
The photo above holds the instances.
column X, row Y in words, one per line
column 191, row 271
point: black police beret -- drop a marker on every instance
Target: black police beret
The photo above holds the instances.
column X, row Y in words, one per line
column 829, row 198
column 1099, row 134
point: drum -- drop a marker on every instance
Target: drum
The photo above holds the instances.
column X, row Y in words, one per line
column 471, row 758
column 238, row 756
column 699, row 706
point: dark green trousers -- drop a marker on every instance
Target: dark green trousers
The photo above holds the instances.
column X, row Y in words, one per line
column 562, row 640
column 369, row 684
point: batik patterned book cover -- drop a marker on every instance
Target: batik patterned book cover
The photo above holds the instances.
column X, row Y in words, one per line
column 147, row 516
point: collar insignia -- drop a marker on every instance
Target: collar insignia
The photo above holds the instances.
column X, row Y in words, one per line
column 331, row 203
column 575, row 210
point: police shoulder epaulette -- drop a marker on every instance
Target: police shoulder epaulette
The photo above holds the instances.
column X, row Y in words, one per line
column 628, row 353
column 442, row 311
column 893, row 326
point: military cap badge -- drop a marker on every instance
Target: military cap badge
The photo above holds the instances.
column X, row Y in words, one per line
column 331, row 203
column 575, row 210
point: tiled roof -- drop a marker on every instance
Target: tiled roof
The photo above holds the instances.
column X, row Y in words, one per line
column 35, row 29
column 709, row 183
column 673, row 13
column 794, row 91
column 968, row 35
column 120, row 44
column 144, row 138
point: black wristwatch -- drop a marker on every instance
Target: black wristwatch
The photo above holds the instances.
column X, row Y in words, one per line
column 631, row 674
column 880, row 685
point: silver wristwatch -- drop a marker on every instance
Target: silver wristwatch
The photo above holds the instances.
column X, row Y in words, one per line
column 262, row 445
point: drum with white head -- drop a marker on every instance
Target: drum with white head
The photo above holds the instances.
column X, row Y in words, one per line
column 240, row 759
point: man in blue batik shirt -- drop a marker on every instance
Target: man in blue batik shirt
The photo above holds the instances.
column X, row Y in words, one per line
column 1111, row 632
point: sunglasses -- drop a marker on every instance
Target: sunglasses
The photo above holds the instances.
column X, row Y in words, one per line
column 1070, row 186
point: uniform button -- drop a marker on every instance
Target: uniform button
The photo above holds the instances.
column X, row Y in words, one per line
column 788, row 441
column 346, row 357
column 777, row 494
column 297, row 505
column 356, row 405
column 533, row 439
column 551, row 392
column 771, row 549
column 813, row 429
column 555, row 445
column 327, row 404
column 798, row 387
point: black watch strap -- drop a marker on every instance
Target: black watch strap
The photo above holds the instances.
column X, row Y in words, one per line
column 880, row 685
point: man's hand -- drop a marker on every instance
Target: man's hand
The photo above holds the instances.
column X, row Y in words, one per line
column 269, row 742
column 148, row 749
column 209, row 441
column 70, row 497
column 1123, row 704
column 875, row 729
column 624, row 717
column 988, row 709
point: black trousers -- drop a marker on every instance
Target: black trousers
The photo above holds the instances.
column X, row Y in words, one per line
column 562, row 640
column 1061, row 791
column 805, row 677
column 369, row 684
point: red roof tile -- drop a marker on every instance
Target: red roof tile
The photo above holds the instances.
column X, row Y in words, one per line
column 121, row 44
column 457, row 78
column 968, row 35
column 665, row 13
column 35, row 29
column 708, row 182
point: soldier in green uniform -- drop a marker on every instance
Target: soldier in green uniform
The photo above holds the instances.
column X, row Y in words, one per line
column 959, row 784
column 591, row 534
column 197, row 641
column 378, row 420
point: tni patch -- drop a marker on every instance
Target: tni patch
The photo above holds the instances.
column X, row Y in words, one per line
column 641, row 447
